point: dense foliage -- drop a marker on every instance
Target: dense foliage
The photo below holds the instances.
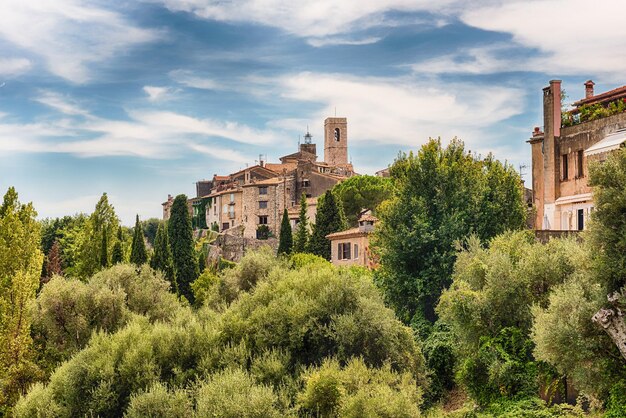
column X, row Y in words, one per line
column 285, row 239
column 20, row 269
column 278, row 341
column 138, row 253
column 301, row 236
column 442, row 196
column 329, row 218
column 162, row 256
column 488, row 308
column 181, row 243
column 362, row 192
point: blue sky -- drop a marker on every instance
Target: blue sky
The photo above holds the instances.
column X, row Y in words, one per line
column 142, row 98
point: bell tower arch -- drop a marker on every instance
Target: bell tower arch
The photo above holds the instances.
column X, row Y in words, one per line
column 336, row 141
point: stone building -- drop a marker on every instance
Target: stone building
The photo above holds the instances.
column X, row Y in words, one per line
column 562, row 152
column 259, row 194
column 351, row 247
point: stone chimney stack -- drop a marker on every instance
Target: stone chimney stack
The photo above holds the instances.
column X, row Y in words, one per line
column 589, row 89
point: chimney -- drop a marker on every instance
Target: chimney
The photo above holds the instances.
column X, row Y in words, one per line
column 261, row 160
column 537, row 131
column 589, row 89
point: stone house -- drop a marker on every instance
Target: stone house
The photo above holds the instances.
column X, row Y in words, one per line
column 351, row 247
column 259, row 194
column 562, row 152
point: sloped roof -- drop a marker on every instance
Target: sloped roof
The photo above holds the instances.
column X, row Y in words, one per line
column 602, row 97
column 353, row 232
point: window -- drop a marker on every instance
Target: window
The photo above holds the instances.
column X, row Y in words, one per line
column 263, row 190
column 225, row 226
column 356, row 251
column 581, row 219
column 337, row 134
column 564, row 167
column 232, row 198
column 579, row 164
column 343, row 251
column 305, row 183
column 263, row 220
column 263, row 204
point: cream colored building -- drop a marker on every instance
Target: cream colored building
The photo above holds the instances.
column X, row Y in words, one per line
column 351, row 247
column 562, row 152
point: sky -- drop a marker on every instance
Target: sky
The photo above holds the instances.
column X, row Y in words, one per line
column 142, row 98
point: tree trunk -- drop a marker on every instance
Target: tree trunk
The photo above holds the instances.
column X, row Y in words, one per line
column 612, row 321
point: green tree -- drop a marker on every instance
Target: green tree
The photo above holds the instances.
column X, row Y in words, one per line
column 442, row 196
column 301, row 239
column 362, row 192
column 20, row 268
column 181, row 242
column 162, row 256
column 104, row 250
column 285, row 243
column 150, row 228
column 328, row 219
column 138, row 254
column 102, row 221
column 117, row 256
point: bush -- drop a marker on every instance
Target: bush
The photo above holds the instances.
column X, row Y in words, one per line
column 358, row 391
column 233, row 394
column 159, row 402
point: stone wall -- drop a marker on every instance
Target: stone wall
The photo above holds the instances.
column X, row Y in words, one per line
column 233, row 245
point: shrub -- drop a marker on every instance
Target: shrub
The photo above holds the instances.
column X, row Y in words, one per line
column 159, row 402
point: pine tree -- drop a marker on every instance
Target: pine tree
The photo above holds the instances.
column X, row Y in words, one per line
column 104, row 250
column 301, row 238
column 117, row 256
column 162, row 257
column 181, row 242
column 328, row 219
column 138, row 254
column 285, row 243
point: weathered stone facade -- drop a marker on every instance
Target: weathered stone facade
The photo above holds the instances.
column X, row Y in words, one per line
column 560, row 157
column 259, row 194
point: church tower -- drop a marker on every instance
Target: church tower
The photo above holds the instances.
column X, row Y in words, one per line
column 336, row 141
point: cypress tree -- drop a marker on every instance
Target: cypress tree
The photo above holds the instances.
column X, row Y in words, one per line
column 285, row 243
column 117, row 256
column 301, row 238
column 181, row 242
column 104, row 253
column 162, row 257
column 138, row 254
column 328, row 219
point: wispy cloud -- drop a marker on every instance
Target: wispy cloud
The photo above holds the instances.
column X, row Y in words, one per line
column 571, row 36
column 190, row 79
column 339, row 40
column 405, row 111
column 157, row 94
column 63, row 104
column 14, row 66
column 317, row 19
column 69, row 35
column 146, row 134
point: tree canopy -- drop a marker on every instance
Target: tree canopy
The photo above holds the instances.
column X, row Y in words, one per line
column 442, row 196
column 362, row 192
column 181, row 242
column 138, row 253
column 301, row 236
column 285, row 239
column 329, row 218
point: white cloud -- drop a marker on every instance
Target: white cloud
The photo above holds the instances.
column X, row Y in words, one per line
column 339, row 40
column 156, row 94
column 480, row 60
column 147, row 134
column 61, row 103
column 14, row 66
column 573, row 37
column 305, row 18
column 406, row 111
column 68, row 35
column 190, row 79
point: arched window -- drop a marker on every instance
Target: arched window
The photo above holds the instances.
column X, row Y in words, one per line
column 337, row 134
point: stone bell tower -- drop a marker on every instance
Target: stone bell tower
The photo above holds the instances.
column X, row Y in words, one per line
column 336, row 141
